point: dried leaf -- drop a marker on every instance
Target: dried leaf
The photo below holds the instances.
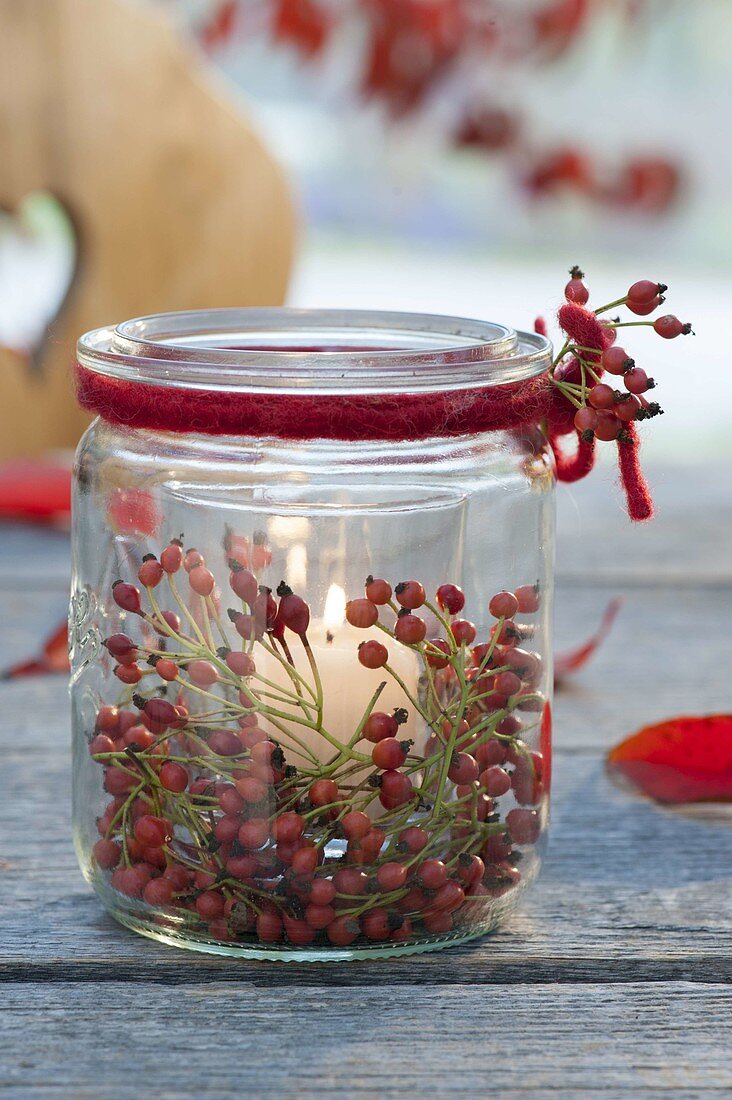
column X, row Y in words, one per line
column 54, row 657
column 574, row 659
column 678, row 761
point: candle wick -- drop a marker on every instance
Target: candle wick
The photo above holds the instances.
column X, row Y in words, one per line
column 330, row 638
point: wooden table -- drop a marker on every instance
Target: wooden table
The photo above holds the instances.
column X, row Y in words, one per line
column 613, row 978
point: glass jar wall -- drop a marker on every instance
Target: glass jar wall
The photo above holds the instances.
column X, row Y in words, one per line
column 311, row 678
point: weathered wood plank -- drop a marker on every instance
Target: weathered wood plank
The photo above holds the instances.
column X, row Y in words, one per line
column 111, row 1042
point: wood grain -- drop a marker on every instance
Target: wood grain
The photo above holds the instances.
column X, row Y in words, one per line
column 213, row 1040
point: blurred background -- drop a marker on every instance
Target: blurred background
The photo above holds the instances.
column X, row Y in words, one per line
column 443, row 155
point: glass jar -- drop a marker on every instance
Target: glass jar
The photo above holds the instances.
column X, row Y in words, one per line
column 310, row 630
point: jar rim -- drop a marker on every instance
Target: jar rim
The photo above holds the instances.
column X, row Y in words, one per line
column 281, row 350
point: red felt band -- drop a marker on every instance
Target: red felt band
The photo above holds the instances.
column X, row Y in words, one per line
column 349, row 417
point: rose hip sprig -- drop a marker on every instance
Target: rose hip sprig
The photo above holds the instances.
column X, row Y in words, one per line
column 222, row 812
column 602, row 410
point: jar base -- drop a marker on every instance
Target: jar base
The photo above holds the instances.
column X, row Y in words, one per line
column 176, row 933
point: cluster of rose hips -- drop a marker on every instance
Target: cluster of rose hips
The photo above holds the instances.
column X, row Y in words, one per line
column 210, row 815
column 604, row 412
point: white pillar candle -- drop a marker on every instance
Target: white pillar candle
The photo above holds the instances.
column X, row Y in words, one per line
column 347, row 686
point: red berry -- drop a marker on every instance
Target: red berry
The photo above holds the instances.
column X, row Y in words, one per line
column 395, row 790
column 451, row 598
column 410, row 594
column 305, row 860
column 507, row 683
column 644, row 291
column 448, row 898
column 192, row 559
column 636, row 380
column 585, row 419
column 463, row 768
column 642, row 309
column 241, row 664
column 528, row 598
column 171, row 558
column 608, row 426
column 627, row 408
column 150, row 573
column 376, row 925
column 470, row 869
column 355, row 825
column 432, row 874
column 438, row 653
column 670, row 327
column 244, row 585
column 202, row 580
column 343, row 931
column 160, row 712
column 602, row 397
column 390, row 753
column 496, row 781
column 576, row 291
column 391, row 876
column 362, row 613
column 299, row 932
column 319, row 916
column 489, row 753
column 119, row 646
column 293, row 612
column 130, row 880
column 159, row 891
column 202, row 673
column 101, row 743
column 503, row 605
column 166, row 669
column 225, row 743
column 106, row 854
column 378, row 591
column 254, row 833
column 616, row 360
column 373, row 654
column 127, row 597
column 288, row 828
column 173, row 777
column 414, row 839
column 324, row 792
column 128, row 674
column 349, row 881
column 252, row 790
column 410, row 629
column 322, row 891
column 269, row 927
column 523, row 825
column 463, row 631
column 152, row 831
column 380, row 725
column 178, row 876
column 108, row 719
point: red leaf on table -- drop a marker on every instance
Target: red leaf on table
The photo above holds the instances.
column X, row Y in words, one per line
column 54, row 657
column 36, row 491
column 574, row 659
column 678, row 761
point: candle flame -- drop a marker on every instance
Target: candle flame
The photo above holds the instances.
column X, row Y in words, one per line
column 335, row 608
